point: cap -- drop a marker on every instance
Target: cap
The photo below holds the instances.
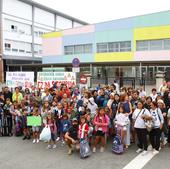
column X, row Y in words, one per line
column 74, row 119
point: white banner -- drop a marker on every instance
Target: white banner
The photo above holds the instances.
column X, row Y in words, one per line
column 24, row 79
column 47, row 79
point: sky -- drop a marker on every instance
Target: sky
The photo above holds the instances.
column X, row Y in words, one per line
column 95, row 11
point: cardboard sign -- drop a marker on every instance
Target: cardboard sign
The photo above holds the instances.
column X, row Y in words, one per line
column 34, row 121
column 47, row 79
column 24, row 79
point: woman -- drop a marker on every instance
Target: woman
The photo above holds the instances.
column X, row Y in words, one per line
column 101, row 123
column 128, row 109
column 155, row 133
column 139, row 116
column 162, row 107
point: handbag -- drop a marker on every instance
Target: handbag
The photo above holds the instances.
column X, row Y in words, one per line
column 149, row 125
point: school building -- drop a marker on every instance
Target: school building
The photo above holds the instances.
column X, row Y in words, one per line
column 131, row 50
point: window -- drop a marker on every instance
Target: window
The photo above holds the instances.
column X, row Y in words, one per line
column 142, row 45
column 14, row 28
column 88, row 48
column 125, row 46
column 21, row 51
column 156, row 45
column 78, row 49
column 69, row 50
column 14, row 50
column 7, row 46
column 113, row 47
column 167, row 44
column 102, row 48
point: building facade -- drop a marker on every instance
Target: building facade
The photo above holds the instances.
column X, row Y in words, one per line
column 23, row 23
column 132, row 49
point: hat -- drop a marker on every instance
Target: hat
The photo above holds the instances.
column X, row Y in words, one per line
column 74, row 119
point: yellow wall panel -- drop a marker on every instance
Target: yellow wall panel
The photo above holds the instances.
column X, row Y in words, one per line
column 111, row 57
column 147, row 33
column 52, row 35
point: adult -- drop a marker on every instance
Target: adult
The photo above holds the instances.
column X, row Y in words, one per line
column 71, row 136
column 7, row 93
column 158, row 120
column 17, row 95
column 139, row 116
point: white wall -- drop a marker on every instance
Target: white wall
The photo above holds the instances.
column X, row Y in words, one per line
column 63, row 23
column 75, row 24
column 17, row 8
column 44, row 17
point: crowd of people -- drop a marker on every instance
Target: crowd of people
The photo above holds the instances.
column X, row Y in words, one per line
column 96, row 115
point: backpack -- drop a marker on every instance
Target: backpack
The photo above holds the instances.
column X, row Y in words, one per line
column 117, row 146
column 84, row 149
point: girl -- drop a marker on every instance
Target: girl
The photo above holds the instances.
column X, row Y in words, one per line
column 139, row 116
column 155, row 134
column 65, row 125
column 51, row 123
column 121, row 121
column 83, row 128
column 44, row 111
column 36, row 129
column 101, row 122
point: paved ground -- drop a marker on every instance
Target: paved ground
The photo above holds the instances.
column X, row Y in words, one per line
column 18, row 154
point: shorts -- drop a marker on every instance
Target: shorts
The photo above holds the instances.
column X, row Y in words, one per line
column 53, row 137
column 35, row 128
column 100, row 133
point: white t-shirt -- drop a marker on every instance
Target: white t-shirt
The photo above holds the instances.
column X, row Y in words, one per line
column 157, row 117
column 122, row 119
column 139, row 122
column 153, row 97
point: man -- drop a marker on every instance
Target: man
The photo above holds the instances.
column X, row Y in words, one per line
column 71, row 136
column 7, row 94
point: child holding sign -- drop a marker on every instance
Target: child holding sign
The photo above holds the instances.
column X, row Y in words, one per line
column 36, row 129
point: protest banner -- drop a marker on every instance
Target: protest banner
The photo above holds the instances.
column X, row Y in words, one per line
column 34, row 121
column 47, row 79
column 24, row 79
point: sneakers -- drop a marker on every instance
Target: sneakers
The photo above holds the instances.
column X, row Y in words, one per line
column 94, row 149
column 33, row 141
column 24, row 138
column 38, row 140
column 102, row 149
column 54, row 146
column 58, row 138
column 164, row 142
column 155, row 152
column 139, row 150
column 69, row 151
column 63, row 143
column 49, row 147
column 144, row 153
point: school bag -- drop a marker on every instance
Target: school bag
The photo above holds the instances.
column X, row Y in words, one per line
column 117, row 146
column 85, row 150
column 84, row 145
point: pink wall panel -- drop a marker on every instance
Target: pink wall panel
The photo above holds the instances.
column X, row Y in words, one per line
column 52, row 46
column 79, row 30
column 152, row 56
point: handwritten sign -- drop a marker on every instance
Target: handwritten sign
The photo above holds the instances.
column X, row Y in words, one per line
column 24, row 79
column 47, row 79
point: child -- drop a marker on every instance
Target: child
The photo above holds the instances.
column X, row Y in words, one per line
column 101, row 123
column 83, row 128
column 8, row 115
column 51, row 123
column 65, row 125
column 54, row 107
column 58, row 117
column 44, row 111
column 121, row 121
column 36, row 129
